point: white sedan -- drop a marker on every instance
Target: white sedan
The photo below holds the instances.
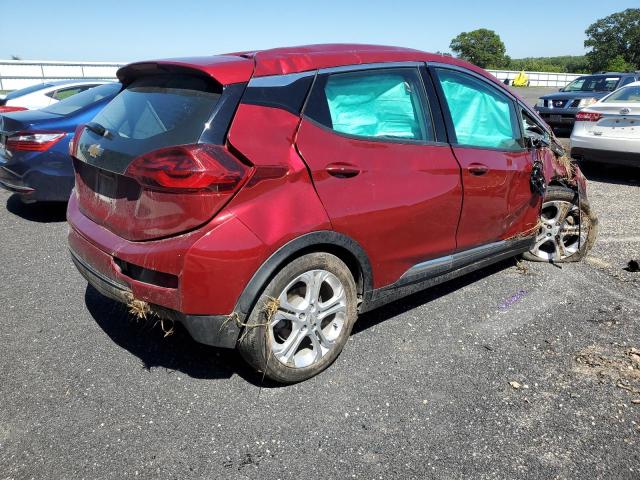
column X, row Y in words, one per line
column 609, row 130
column 44, row 94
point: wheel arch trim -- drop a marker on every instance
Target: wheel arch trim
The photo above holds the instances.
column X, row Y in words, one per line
column 321, row 240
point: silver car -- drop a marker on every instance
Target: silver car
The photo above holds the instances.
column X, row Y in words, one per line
column 609, row 130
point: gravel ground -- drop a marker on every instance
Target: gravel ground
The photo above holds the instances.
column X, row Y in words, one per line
column 422, row 389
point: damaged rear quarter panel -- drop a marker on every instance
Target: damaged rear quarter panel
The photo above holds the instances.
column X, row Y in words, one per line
column 290, row 205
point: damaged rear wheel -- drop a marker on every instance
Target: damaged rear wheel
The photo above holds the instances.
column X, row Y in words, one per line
column 302, row 320
column 567, row 230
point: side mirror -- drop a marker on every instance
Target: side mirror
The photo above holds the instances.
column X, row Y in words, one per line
column 561, row 89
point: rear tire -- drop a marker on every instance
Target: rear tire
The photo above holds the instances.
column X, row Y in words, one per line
column 302, row 319
column 568, row 231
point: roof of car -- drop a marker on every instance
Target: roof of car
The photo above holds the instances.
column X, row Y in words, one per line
column 241, row 66
column 280, row 61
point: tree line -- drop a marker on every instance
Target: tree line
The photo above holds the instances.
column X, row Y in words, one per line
column 613, row 43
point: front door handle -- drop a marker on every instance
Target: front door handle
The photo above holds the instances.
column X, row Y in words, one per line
column 342, row 170
column 477, row 169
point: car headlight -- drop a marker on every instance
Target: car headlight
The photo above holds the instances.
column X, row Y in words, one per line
column 540, row 103
column 585, row 102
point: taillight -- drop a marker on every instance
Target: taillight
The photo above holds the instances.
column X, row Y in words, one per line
column 588, row 116
column 188, row 168
column 9, row 108
column 73, row 143
column 33, row 141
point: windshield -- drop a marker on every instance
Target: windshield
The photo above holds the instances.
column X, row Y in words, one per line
column 625, row 95
column 83, row 99
column 595, row 83
column 27, row 90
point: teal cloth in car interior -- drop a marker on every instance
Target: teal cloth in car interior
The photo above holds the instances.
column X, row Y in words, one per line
column 480, row 117
column 372, row 106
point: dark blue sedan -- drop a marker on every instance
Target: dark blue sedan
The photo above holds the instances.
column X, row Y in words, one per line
column 34, row 145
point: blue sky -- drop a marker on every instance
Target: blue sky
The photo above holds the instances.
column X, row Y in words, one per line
column 124, row 31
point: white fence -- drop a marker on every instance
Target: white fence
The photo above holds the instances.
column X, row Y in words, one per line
column 15, row 74
column 538, row 79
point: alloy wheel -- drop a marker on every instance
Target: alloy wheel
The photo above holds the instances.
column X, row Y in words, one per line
column 310, row 317
column 561, row 234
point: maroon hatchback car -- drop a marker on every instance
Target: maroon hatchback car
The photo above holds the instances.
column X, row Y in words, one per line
column 264, row 199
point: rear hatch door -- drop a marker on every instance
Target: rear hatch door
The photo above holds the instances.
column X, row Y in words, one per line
column 133, row 160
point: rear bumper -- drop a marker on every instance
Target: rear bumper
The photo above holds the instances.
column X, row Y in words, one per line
column 14, row 185
column 214, row 330
column 611, row 157
column 209, row 268
column 46, row 177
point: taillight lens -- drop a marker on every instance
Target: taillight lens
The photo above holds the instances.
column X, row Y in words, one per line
column 73, row 143
column 9, row 108
column 588, row 116
column 33, row 141
column 189, row 168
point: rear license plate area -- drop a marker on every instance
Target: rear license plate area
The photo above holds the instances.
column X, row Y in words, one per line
column 106, row 185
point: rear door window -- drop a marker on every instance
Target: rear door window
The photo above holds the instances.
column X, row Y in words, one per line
column 626, row 81
column 385, row 104
column 481, row 115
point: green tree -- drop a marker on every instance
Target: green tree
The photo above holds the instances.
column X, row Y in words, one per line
column 481, row 47
column 617, row 34
column 619, row 64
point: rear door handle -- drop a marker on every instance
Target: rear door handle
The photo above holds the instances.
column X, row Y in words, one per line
column 477, row 169
column 342, row 170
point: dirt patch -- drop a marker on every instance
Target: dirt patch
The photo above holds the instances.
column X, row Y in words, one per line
column 617, row 364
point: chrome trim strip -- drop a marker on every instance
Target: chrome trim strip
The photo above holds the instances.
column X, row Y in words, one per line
column 440, row 265
column 469, row 256
column 430, row 267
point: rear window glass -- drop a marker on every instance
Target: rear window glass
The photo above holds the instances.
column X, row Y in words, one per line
column 159, row 111
column 83, row 99
column 626, row 94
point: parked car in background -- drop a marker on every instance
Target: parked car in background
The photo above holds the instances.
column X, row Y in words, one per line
column 34, row 145
column 44, row 94
column 609, row 131
column 560, row 109
column 264, row 199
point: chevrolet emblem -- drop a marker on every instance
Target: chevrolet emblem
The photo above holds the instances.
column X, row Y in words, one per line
column 95, row 150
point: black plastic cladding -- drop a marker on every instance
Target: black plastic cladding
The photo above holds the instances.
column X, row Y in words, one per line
column 223, row 114
column 289, row 96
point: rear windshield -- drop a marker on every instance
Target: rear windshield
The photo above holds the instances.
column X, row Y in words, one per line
column 595, row 83
column 625, row 94
column 159, row 111
column 27, row 90
column 83, row 99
